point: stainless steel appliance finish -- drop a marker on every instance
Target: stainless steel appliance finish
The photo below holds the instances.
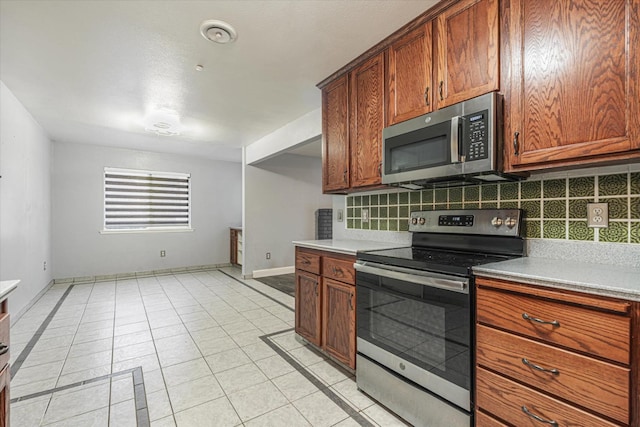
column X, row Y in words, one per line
column 414, row 312
column 459, row 143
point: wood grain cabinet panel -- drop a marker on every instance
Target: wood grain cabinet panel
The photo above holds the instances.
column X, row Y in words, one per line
column 339, row 269
column 574, row 69
column 366, row 120
column 410, row 75
column 467, row 51
column 5, row 378
column 335, row 135
column 589, row 382
column 509, row 400
column 339, row 321
column 582, row 329
column 308, row 261
column 308, row 307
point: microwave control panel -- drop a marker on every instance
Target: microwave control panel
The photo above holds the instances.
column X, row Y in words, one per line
column 476, row 132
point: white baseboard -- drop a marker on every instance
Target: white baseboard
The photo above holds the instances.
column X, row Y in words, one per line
column 15, row 317
column 273, row 271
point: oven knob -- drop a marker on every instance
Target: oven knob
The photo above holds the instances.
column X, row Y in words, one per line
column 510, row 222
column 414, row 220
column 496, row 222
column 422, row 221
column 402, row 367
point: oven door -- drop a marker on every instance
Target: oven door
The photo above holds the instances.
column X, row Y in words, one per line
column 417, row 324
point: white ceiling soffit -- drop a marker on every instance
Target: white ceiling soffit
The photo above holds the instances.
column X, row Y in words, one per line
column 89, row 71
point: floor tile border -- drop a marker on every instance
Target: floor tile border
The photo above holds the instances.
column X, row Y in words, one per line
column 326, row 390
column 140, row 397
column 260, row 292
column 15, row 367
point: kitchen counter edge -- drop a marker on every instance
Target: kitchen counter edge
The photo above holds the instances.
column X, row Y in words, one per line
column 596, row 279
column 349, row 247
column 6, row 287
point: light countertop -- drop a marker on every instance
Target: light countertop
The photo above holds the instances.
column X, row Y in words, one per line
column 349, row 247
column 598, row 279
column 6, row 287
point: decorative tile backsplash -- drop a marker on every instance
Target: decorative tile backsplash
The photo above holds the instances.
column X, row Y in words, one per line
column 554, row 208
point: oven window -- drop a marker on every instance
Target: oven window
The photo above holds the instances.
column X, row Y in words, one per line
column 419, row 149
column 426, row 326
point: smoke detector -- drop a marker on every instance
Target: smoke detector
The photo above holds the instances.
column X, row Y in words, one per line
column 218, row 31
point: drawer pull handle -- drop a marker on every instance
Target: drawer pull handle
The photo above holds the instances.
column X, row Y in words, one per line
column 306, row 262
column 540, row 368
column 538, row 418
column 3, row 348
column 525, row 316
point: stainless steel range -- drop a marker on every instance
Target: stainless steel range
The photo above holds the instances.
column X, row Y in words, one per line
column 415, row 312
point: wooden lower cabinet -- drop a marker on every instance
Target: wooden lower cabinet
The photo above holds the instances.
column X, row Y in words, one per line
column 325, row 303
column 339, row 320
column 5, row 378
column 308, row 300
column 546, row 356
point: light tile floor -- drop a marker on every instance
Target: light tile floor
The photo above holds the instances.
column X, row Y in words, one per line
column 192, row 349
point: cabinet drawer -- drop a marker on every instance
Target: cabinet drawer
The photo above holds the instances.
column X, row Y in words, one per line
column 484, row 420
column 588, row 382
column 308, row 261
column 4, row 339
column 589, row 331
column 339, row 269
column 506, row 399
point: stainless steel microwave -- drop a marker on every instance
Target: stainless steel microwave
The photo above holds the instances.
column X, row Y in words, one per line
column 455, row 145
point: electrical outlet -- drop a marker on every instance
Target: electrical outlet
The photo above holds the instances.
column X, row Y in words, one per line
column 163, row 253
column 597, row 215
column 340, row 215
column 268, row 255
column 365, row 215
column 44, row 267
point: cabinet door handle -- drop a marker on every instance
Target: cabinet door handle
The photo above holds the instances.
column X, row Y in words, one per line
column 351, row 302
column 538, row 418
column 316, row 288
column 344, row 176
column 525, row 316
column 441, row 90
column 426, row 96
column 516, row 144
column 3, row 348
column 380, row 169
column 553, row 371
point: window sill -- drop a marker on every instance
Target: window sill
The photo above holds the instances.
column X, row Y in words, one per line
column 157, row 230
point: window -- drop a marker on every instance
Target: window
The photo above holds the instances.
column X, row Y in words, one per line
column 144, row 200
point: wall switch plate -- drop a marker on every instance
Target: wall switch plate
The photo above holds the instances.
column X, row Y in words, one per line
column 597, row 215
column 365, row 215
column 268, row 255
column 340, row 215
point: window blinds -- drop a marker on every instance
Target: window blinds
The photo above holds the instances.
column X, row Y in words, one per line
column 144, row 200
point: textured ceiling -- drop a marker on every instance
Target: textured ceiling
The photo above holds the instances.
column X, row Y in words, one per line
column 89, row 71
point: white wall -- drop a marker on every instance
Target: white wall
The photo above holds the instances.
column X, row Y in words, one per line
column 80, row 250
column 282, row 195
column 297, row 132
column 25, row 201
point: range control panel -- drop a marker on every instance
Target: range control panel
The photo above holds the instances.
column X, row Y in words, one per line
column 495, row 222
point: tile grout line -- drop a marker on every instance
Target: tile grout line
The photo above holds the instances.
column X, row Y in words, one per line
column 260, row 292
column 15, row 367
column 354, row 414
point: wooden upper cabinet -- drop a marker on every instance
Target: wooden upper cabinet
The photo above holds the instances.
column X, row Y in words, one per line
column 467, row 51
column 574, row 82
column 410, row 75
column 366, row 121
column 335, row 135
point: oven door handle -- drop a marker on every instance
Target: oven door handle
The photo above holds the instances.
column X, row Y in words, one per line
column 412, row 276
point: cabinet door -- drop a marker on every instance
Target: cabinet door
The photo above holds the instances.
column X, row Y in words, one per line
column 335, row 135
column 5, row 378
column 366, row 122
column 467, row 51
column 308, row 306
column 233, row 247
column 574, row 82
column 339, row 321
column 410, row 91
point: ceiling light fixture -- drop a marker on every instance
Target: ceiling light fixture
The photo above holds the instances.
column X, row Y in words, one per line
column 163, row 122
column 218, row 31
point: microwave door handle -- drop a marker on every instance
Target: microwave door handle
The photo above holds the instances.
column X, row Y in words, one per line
column 455, row 139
